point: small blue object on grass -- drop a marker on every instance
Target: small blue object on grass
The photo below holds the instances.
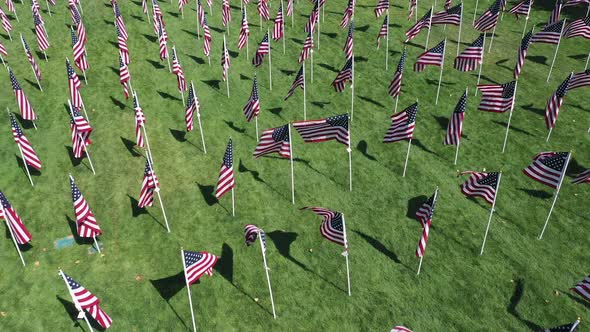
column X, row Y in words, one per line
column 65, row 242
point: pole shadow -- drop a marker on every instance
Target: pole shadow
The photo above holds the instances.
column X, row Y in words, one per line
column 514, row 300
column 130, row 146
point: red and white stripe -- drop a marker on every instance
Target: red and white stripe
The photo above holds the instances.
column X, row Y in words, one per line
column 7, row 212
column 278, row 31
column 583, row 288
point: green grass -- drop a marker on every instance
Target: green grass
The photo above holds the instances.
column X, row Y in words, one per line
column 511, row 287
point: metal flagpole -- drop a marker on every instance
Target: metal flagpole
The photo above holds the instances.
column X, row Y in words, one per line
column 458, row 141
column 346, row 254
column 25, row 164
column 147, row 13
column 556, row 49
column 387, row 42
column 396, row 100
column 83, row 141
column 12, row 235
column 420, row 264
column 10, row 37
column 587, row 59
column 441, row 71
column 475, row 11
column 233, row 203
column 483, row 47
column 556, row 194
column 16, row 16
column 492, row 40
column 256, row 121
column 272, row 301
column 318, row 29
column 48, row 10
column 81, row 311
column 311, row 51
column 352, row 91
column 304, row 94
column 292, row 14
column 292, row 172
column 199, row 120
column 491, row 213
column 510, row 116
column 459, row 36
column 415, row 12
column 188, row 288
column 407, row 157
column 422, row 257
column 526, row 20
column 32, row 68
column 96, row 244
column 349, row 150
column 269, row 63
column 80, row 3
column 4, row 63
column 247, row 37
column 429, row 27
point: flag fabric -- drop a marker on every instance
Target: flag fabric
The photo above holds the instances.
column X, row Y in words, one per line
column 279, row 26
column 383, row 32
column 148, row 186
column 400, row 328
column 433, row 57
column 124, row 77
column 29, row 154
column 6, row 25
column 554, row 103
column 413, row 7
column 225, row 62
column 262, row 8
column 448, row 4
column 471, row 57
column 88, row 302
column 555, row 13
column 8, row 213
column 181, row 4
column 144, row 6
column 226, row 181
column 423, row 23
column 547, row 168
column 206, row 38
column 290, row 8
column 481, row 184
column 572, row 327
column 10, row 6
column 448, row 16
column 396, row 82
column 551, row 34
column 332, row 227
column 274, row 140
column 162, row 42
column 489, row 19
column 344, row 75
column 583, row 177
column 177, row 70
column 298, row 82
column 79, row 52
column 74, row 85
column 313, row 18
column 244, row 31
column 424, row 215
column 35, row 10
column 263, row 48
column 3, row 50
column 26, row 111
column 307, row 48
column 119, row 20
column 521, row 8
column 85, row 220
column 77, row 21
column 571, row 3
column 455, row 126
column 583, row 287
column 122, row 42
column 522, row 51
column 578, row 28
column 225, row 12
column 381, row 7
column 139, row 122
column 252, row 107
column 197, row 264
column 348, row 14
column 81, row 131
column 497, row 97
column 251, row 234
column 331, row 128
column 349, row 43
column 402, row 125
column 192, row 106
column 200, row 12
column 579, row 80
column 42, row 40
column 31, row 58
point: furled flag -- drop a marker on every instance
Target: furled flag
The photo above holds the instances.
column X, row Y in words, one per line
column 10, row 6
column 381, row 7
column 274, row 140
column 400, row 328
column 79, row 52
column 42, row 40
column 578, row 28
column 119, row 20
column 26, row 111
column 555, row 13
column 481, row 184
column 74, row 85
column 521, row 8
column 423, row 23
column 497, row 97
column 181, row 4
column 6, row 25
column 554, row 103
column 551, row 34
column 85, row 220
column 455, row 126
column 489, row 19
column 396, row 82
column 81, row 131
column 225, row 12
column 263, row 48
column 448, row 16
column 162, row 41
column 226, row 181
column 547, row 167
column 331, row 128
column 307, row 48
column 424, row 215
column 522, row 51
column 471, row 57
column 313, row 18
column 344, row 75
column 31, row 58
column 348, row 14
column 252, row 107
column 206, row 38
column 402, row 125
column 383, row 31
column 124, row 76
column 225, row 62
column 583, row 177
column 579, row 80
column 77, row 21
column 123, row 49
column 7, row 212
column 157, row 15
column 144, row 6
column 192, row 106
column 25, row 147
column 332, row 228
column 251, row 234
column 349, row 43
column 583, row 288
column 262, row 8
column 35, row 10
column 139, row 122
column 433, row 57
column 290, row 6
column 148, row 186
column 412, row 9
column 196, row 264
column 571, row 3
column 177, row 70
column 572, row 327
column 200, row 12
column 448, row 4
column 279, row 26
column 244, row 31
column 88, row 302
column 298, row 82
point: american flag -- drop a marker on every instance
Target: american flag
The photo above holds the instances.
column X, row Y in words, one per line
column 3, row 49
column 225, row 62
column 162, row 41
column 274, row 140
column 298, row 82
column 177, row 70
column 226, row 182
column 200, row 12
column 448, row 16
column 489, row 19
column 348, row 14
column 279, row 26
column 74, row 85
column 42, row 40
column 262, row 8
column 555, row 13
column 331, row 128
column 455, row 126
column 349, row 43
column 123, row 50
column 192, row 106
column 497, row 97
column 554, row 103
column 583, row 177
column 332, row 227
column 423, row 23
column 79, row 52
column 6, row 25
column 7, row 212
column 522, row 51
column 181, row 4
column 85, row 220
column 522, row 8
column 433, row 57
column 448, row 4
column 196, row 264
column 81, row 131
column 35, row 9
column 570, row 3
column 572, row 327
column 225, row 12
column 252, row 107
column 77, row 20
column 124, row 76
column 144, row 6
column 579, row 80
column 88, row 302
column 424, row 215
column 244, row 31
column 30, row 156
column 139, row 122
column 263, row 48
column 548, row 167
column 206, row 38
column 583, row 288
column 413, row 7
column 482, row 185
column 31, row 58
column 26, row 111
column 10, row 6
column 400, row 328
column 148, row 186
column 471, row 57
column 578, row 28
column 313, row 18
column 402, row 125
column 290, row 8
column 119, row 20
column 382, row 7
column 396, row 82
column 344, row 75
column 157, row 13
column 551, row 34
column 307, row 48
column 251, row 234
column 383, row 32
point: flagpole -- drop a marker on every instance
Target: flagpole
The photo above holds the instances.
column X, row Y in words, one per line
column 188, row 288
column 587, row 59
column 459, row 140
column 420, row 264
column 247, row 36
column 96, row 244
column 12, row 235
column 272, row 301
column 396, row 100
column 318, row 28
column 4, row 63
column 459, row 36
column 198, row 21
column 147, row 13
column 48, row 10
column 407, row 157
column 491, row 213
column 387, row 42
column 475, row 11
column 556, row 194
column 556, row 49
column 441, row 71
column 510, row 116
column 269, row 62
column 76, row 304
column 483, row 47
column 311, row 51
column 416, row 12
column 422, row 256
column 292, row 172
column 526, row 21
column 346, row 254
column 82, row 140
column 352, row 91
column 282, row 27
column 16, row 16
column 256, row 121
column 25, row 164
column 429, row 27
column 233, row 203
column 32, row 68
column 292, row 14
column 304, row 94
column 349, row 150
column 227, row 74
column 199, row 120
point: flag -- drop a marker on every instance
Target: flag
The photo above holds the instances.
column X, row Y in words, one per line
column 177, row 70
column 42, row 40
column 274, row 140
column 344, row 75
column 497, row 97
column 448, row 16
column 244, row 31
column 313, row 18
column 448, row 4
column 29, row 154
column 583, row 177
column 262, row 8
column 162, row 41
column 402, row 125
column 279, row 26
column 225, row 63
column 348, row 14
column 31, row 58
column 331, row 128
column 551, row 34
column 298, row 82
column 6, row 25
column 10, row 6
column 578, row 28
column 144, row 6
column 26, row 111
column 124, row 76
column 88, row 302
column 290, row 7
column 481, row 184
column 332, row 228
column 489, row 19
column 572, row 327
column 471, row 57
column 74, row 85
column 192, row 106
column 349, row 43
column 579, row 80
column 307, row 48
column 413, row 7
column 3, row 49
column 433, row 57
column 181, row 4
column 119, row 23
column 206, row 38
column 455, row 126
column 251, row 234
column 396, row 82
column 571, row 3
column 252, row 107
column 423, row 23
column 81, row 131
column 583, row 287
column 522, row 51
column 263, row 48
column 200, row 12
column 148, row 186
column 521, row 8
column 424, row 215
column 77, row 20
column 555, row 13
column 157, row 14
column 554, row 103
column 123, row 50
column 226, row 182
column 225, row 12
column 7, row 212
column 382, row 7
column 35, row 10
column 547, row 167
column 79, row 52
column 400, row 328
column 139, row 122
column 85, row 220
column 383, row 32
column 196, row 264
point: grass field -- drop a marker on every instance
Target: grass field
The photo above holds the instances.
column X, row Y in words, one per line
column 519, row 284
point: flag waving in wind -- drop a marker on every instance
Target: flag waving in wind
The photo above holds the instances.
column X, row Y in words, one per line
column 29, row 155
column 252, row 107
column 332, row 228
column 396, row 82
column 522, row 51
column 454, row 129
column 432, row 57
column 196, row 264
column 274, row 140
column 298, row 82
column 554, row 103
column 343, row 76
column 251, row 234
column 263, row 49
column 8, row 213
column 497, row 97
column 31, row 58
column 489, row 19
column 85, row 221
column 547, row 168
column 87, row 301
column 481, row 184
column 226, row 181
column 26, row 111
column 471, row 57
column 424, row 215
column 402, row 125
column 332, row 128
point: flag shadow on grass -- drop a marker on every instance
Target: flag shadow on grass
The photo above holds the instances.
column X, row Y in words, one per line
column 155, row 64
column 137, row 211
column 529, row 107
column 329, row 34
column 214, row 84
column 542, row 60
column 196, row 59
column 512, row 127
column 363, row 148
column 117, row 102
column 151, row 38
column 369, row 100
column 25, row 124
column 256, row 176
column 21, row 164
column 208, row 194
column 500, row 63
column 33, row 84
column 79, row 240
column 485, row 78
column 72, row 312
column 166, row 95
column 23, row 247
column 414, row 204
column 168, row 287
column 423, row 147
column 378, row 246
column 130, row 146
column 578, row 56
column 75, row 161
column 514, row 300
column 287, row 72
column 542, row 194
column 139, row 18
column 192, row 33
column 180, row 136
column 328, row 67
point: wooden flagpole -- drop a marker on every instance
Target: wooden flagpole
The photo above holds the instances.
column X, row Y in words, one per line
column 199, row 120
column 510, row 116
column 292, row 172
column 459, row 36
column 272, row 301
column 83, row 141
column 407, row 157
column 387, row 42
column 33, row 69
column 188, row 288
column 441, row 71
column 491, row 213
column 556, row 49
column 429, row 27
column 483, row 47
column 12, row 235
column 556, row 194
column 475, row 11
column 269, row 62
column 81, row 312
column 346, row 251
